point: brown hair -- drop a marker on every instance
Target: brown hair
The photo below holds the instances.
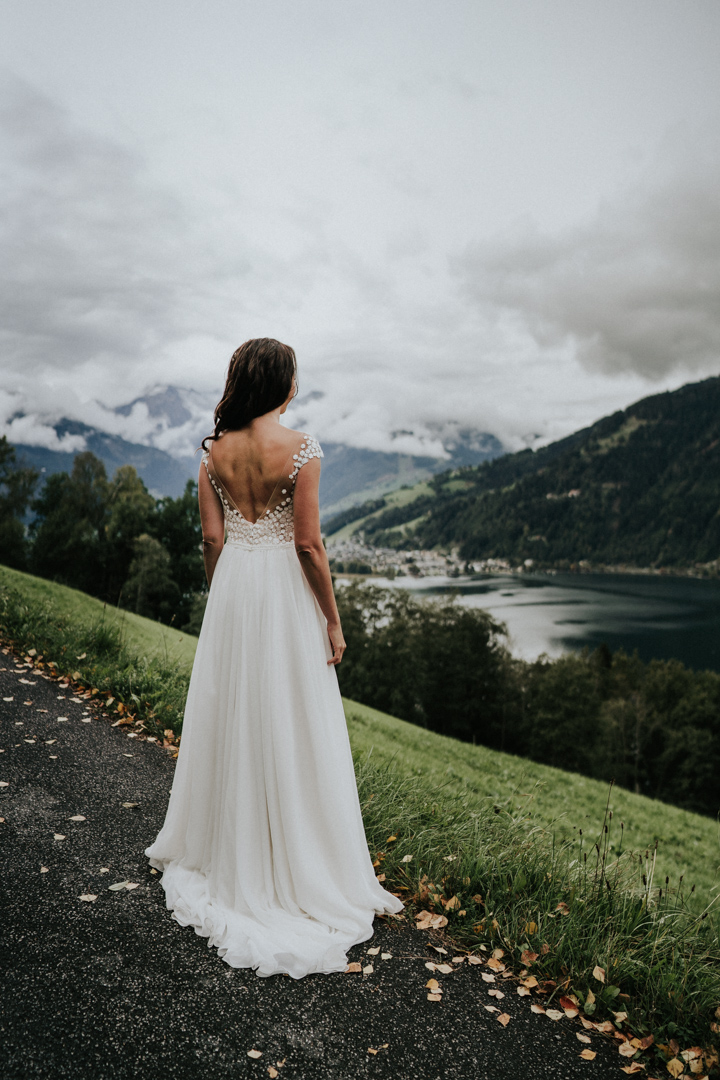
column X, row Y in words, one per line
column 259, row 378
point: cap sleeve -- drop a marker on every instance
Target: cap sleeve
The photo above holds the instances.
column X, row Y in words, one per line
column 308, row 449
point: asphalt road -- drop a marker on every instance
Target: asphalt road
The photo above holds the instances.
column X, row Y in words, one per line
column 114, row 988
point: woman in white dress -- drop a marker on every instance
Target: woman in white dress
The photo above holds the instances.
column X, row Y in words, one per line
column 263, row 849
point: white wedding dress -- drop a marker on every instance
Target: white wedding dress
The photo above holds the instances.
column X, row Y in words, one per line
column 263, row 849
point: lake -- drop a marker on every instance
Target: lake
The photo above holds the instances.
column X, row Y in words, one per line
column 661, row 617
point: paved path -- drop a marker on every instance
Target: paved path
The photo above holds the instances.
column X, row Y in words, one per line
column 115, row 988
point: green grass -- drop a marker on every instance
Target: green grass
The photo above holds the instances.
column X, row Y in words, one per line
column 399, row 497
column 497, row 836
column 147, row 637
column 689, row 844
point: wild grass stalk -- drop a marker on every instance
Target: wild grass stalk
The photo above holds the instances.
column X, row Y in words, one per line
column 95, row 654
column 502, row 879
column 498, row 873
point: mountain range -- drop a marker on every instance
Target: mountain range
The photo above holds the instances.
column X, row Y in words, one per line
column 162, row 428
column 640, row 487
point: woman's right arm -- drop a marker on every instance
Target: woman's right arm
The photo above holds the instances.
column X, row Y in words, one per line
column 212, row 520
column 311, row 551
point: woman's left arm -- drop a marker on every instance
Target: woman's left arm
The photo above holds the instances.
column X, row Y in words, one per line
column 212, row 520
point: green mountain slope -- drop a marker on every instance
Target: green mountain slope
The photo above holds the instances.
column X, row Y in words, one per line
column 689, row 843
column 640, row 487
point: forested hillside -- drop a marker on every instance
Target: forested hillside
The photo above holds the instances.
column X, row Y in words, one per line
column 640, row 487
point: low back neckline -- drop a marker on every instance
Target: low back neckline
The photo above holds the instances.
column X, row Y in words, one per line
column 306, row 448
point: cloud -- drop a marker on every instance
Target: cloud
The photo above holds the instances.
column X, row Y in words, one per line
column 635, row 290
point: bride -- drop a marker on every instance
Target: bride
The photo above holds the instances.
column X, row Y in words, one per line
column 263, row 849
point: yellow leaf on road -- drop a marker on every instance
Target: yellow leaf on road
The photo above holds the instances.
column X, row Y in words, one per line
column 254, row 1053
column 503, row 1019
column 588, row 1055
column 583, row 1038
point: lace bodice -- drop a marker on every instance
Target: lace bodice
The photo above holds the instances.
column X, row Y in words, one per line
column 275, row 524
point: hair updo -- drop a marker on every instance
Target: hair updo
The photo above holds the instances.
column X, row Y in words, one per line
column 259, row 379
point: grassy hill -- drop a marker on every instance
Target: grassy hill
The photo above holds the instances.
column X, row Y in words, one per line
column 640, row 487
column 689, row 844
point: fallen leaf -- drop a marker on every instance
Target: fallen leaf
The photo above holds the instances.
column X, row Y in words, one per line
column 446, row 969
column 563, row 908
column 89, row 897
column 118, row 885
column 272, row 1071
column 588, row 1055
column 81, row 656
column 487, row 977
column 531, row 982
column 391, row 839
column 368, row 969
column 58, row 836
column 627, row 1049
column 432, row 984
column 458, row 959
column 496, row 993
column 434, row 997
column 599, row 973
column 130, row 885
column 254, row 1053
column 44, row 870
column 386, row 956
column 545, row 948
column 528, row 957
column 583, row 1038
column 380, row 877
column 370, row 1049
column 129, row 805
column 632, row 1068
column 523, row 991
column 495, row 965
column 453, row 903
column 352, row 968
column 620, row 1016
column 555, row 1014
column 370, row 952
column 77, row 817
column 587, row 1024
column 8, row 699
column 676, row 1067
column 62, row 719
column 536, row 1008
column 474, row 959
column 406, row 858
column 491, row 1008
column 503, row 1019
column 4, row 783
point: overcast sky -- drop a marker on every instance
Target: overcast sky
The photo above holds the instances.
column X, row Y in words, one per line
column 504, row 214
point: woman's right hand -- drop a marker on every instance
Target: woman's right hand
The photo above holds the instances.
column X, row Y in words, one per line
column 337, row 642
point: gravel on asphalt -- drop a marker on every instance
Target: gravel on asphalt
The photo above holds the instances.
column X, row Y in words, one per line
column 113, row 987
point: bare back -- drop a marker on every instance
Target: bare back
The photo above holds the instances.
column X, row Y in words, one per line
column 251, row 466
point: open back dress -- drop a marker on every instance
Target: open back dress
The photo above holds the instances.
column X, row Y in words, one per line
column 263, row 849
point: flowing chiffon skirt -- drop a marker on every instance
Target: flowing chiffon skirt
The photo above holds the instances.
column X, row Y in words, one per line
column 263, row 849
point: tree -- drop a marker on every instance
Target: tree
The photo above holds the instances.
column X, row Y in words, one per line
column 177, row 526
column 69, row 527
column 131, row 511
column 16, row 488
column 150, row 589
